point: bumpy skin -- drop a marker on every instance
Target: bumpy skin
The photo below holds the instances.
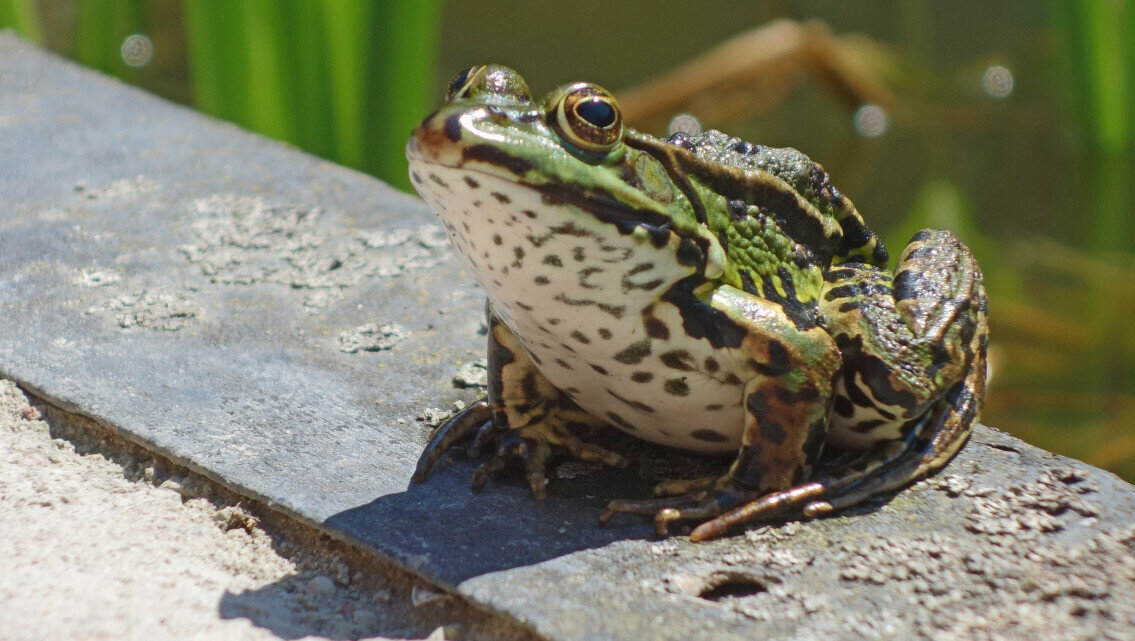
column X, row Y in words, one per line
column 700, row 292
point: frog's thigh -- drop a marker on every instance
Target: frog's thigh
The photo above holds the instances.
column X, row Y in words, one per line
column 905, row 340
column 787, row 396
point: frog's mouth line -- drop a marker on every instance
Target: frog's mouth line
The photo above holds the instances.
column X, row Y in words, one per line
column 601, row 205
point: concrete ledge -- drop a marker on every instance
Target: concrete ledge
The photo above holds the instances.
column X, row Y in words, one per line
column 276, row 323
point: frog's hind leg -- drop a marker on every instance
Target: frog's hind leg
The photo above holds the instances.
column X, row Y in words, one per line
column 914, row 350
column 525, row 419
column 930, row 443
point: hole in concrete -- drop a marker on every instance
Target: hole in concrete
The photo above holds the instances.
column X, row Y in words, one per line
column 723, row 585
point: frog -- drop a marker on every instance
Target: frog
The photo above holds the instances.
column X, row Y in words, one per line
column 699, row 292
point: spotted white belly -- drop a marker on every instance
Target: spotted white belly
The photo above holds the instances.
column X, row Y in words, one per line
column 584, row 301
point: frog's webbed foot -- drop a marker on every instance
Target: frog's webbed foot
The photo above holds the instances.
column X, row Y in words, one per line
column 532, row 446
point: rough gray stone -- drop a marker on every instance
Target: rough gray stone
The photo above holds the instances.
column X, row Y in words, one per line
column 188, row 284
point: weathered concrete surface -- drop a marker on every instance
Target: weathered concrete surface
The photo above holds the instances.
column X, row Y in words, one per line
column 276, row 323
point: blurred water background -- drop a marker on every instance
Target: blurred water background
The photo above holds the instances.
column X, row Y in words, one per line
column 1008, row 122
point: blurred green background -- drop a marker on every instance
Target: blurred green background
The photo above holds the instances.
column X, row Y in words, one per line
column 1008, row 122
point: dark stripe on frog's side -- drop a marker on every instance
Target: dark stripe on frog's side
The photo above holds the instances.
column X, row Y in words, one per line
column 797, row 217
column 638, row 405
column 614, row 310
column 667, row 155
column 709, row 436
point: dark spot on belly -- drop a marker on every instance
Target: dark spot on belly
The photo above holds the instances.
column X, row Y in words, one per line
column 638, row 405
column 619, row 421
column 599, row 370
column 676, row 387
column 554, row 321
column 709, row 436
column 526, row 308
column 562, row 363
column 501, row 198
column 416, row 176
column 529, row 213
column 439, row 181
column 678, row 359
column 473, row 184
column 497, row 240
column 656, row 328
column 642, row 377
column 634, row 353
column 580, row 336
column 518, row 251
column 714, row 407
column 541, row 280
column 711, row 365
column 586, row 273
column 578, row 254
column 553, row 260
column 604, row 333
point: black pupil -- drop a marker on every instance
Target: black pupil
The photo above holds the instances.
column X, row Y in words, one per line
column 459, row 81
column 597, row 112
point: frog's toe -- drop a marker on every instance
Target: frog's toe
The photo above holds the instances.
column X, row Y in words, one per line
column 532, row 454
column 757, row 507
column 592, row 453
column 485, row 434
column 678, row 487
column 476, row 415
column 719, row 505
column 646, row 507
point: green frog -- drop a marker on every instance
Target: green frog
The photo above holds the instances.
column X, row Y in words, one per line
column 701, row 292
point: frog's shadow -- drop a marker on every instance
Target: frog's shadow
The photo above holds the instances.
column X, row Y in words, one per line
column 442, row 529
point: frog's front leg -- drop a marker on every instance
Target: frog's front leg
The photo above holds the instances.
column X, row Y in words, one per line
column 526, row 417
column 790, row 365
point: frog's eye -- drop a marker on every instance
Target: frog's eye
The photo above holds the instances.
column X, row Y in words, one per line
column 587, row 117
column 459, row 86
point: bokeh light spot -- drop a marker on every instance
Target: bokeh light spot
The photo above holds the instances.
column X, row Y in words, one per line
column 870, row 121
column 997, row 81
column 137, row 50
